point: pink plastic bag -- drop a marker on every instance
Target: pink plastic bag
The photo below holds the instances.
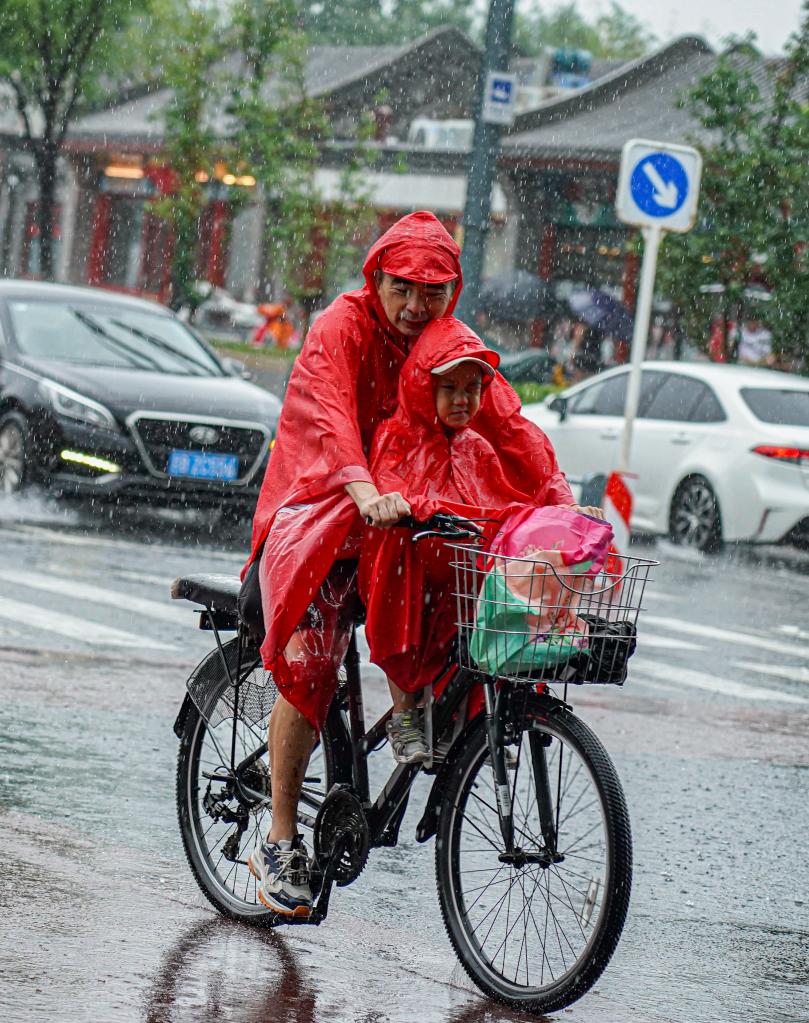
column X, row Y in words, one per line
column 580, row 540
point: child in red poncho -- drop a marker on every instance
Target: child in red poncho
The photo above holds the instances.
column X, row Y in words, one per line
column 430, row 452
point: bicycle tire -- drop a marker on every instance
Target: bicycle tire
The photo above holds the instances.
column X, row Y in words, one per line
column 232, row 890
column 564, row 732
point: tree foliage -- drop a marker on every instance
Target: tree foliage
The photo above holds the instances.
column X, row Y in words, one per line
column 52, row 55
column 754, row 201
column 240, row 105
column 349, row 23
column 615, row 34
column 189, row 68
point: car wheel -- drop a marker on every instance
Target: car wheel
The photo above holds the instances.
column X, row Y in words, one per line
column 694, row 518
column 13, row 453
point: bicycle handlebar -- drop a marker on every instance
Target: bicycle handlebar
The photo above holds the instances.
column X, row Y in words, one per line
column 444, row 525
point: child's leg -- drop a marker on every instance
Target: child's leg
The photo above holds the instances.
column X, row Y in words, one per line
column 405, row 728
column 401, row 699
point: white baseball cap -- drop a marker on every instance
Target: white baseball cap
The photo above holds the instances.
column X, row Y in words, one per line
column 487, row 367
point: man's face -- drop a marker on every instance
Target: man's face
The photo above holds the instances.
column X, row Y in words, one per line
column 457, row 395
column 409, row 305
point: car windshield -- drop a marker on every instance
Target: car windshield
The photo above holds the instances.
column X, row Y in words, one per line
column 771, row 405
column 84, row 334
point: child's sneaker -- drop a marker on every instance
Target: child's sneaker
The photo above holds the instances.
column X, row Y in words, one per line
column 406, row 738
column 284, row 876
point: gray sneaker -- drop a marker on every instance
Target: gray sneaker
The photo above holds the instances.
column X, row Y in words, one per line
column 284, row 877
column 406, row 737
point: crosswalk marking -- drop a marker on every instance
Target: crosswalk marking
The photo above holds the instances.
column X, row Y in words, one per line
column 666, row 642
column 726, row 636
column 74, row 540
column 793, row 673
column 793, row 631
column 99, row 595
column 653, row 592
column 72, row 627
column 164, row 581
column 699, row 680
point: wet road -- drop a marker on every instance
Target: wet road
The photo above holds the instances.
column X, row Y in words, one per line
column 101, row 919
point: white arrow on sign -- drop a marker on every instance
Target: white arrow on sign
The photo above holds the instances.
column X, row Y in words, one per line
column 666, row 194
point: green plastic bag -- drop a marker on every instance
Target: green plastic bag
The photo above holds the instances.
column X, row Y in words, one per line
column 505, row 642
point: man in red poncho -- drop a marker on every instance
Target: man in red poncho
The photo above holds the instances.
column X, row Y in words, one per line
column 318, row 490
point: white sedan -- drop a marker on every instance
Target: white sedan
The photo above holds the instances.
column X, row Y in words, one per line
column 720, row 453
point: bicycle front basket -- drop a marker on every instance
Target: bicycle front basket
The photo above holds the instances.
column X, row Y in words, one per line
column 531, row 618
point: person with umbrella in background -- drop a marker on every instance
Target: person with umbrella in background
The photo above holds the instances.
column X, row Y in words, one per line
column 600, row 316
column 518, row 297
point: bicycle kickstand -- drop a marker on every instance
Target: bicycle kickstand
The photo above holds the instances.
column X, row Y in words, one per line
column 321, row 907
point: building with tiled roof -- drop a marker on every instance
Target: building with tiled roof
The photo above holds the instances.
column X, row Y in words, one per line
column 106, row 232
column 562, row 160
column 553, row 204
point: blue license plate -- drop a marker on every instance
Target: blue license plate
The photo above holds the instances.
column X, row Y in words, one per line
column 203, row 465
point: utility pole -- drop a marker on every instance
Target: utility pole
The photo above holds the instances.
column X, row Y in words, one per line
column 494, row 109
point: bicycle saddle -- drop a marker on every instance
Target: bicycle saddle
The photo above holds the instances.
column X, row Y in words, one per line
column 218, row 592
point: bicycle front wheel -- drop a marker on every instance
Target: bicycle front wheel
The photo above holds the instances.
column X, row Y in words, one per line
column 223, row 815
column 535, row 931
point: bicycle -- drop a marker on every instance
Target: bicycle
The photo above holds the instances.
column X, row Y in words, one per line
column 534, row 850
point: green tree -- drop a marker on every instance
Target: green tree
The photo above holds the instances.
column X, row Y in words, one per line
column 622, row 35
column 616, row 34
column 52, row 54
column 279, row 131
column 195, row 47
column 349, row 23
column 754, row 200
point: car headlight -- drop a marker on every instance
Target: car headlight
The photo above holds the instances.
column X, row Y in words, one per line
column 75, row 406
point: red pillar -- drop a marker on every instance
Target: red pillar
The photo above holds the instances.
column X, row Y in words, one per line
column 547, row 253
column 218, row 212
column 630, row 282
column 98, row 244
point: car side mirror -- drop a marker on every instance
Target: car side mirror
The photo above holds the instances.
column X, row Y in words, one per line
column 559, row 404
column 236, row 368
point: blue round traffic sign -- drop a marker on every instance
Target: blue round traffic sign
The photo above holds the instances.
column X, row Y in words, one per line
column 659, row 185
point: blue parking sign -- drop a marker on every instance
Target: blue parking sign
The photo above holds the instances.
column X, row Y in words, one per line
column 499, row 98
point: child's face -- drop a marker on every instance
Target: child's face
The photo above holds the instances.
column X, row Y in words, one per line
column 457, row 395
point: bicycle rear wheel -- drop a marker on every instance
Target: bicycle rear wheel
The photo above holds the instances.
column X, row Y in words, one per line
column 222, row 817
column 536, row 935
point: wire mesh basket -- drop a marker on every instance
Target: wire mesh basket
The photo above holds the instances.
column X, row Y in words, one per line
column 257, row 690
column 534, row 619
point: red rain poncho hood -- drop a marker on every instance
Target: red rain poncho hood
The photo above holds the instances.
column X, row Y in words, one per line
column 497, row 463
column 343, row 385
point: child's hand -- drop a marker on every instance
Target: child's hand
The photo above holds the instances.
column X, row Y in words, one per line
column 591, row 510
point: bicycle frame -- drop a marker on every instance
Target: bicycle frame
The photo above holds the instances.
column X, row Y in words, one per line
column 384, row 813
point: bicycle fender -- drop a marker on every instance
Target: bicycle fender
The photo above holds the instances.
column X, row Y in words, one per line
column 182, row 716
column 428, row 825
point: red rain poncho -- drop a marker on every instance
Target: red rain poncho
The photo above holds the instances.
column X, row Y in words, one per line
column 342, row 386
column 499, row 462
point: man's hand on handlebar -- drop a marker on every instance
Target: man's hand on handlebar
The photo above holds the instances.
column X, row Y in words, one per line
column 378, row 509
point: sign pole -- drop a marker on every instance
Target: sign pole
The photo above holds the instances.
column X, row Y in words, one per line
column 643, row 314
column 482, row 165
